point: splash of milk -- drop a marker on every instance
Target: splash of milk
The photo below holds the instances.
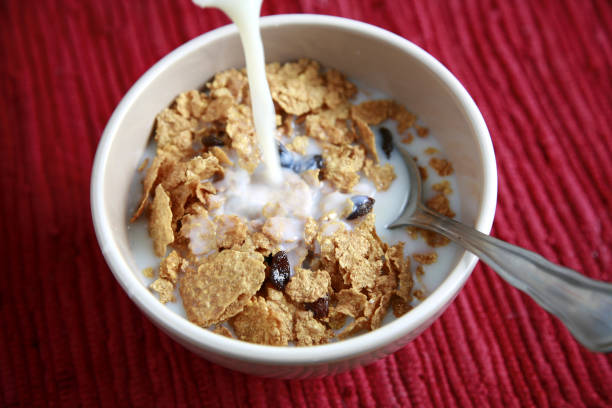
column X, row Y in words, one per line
column 245, row 14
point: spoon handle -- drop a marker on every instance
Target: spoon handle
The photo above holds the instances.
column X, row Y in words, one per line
column 584, row 305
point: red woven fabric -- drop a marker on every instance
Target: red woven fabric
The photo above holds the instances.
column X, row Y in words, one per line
column 540, row 71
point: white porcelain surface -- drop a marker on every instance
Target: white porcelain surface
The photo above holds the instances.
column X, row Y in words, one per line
column 376, row 58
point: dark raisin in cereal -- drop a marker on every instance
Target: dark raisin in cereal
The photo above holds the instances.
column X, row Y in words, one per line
column 285, row 156
column 279, row 270
column 361, row 206
column 297, row 163
column 387, row 141
column 307, row 163
column 319, row 307
column 214, row 139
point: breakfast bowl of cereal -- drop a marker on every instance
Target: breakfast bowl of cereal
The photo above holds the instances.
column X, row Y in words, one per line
column 298, row 277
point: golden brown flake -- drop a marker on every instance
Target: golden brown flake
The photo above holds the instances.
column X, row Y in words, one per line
column 311, row 177
column 360, row 324
column 200, row 232
column 262, row 244
column 442, row 166
column 231, row 231
column 399, row 306
column 223, row 331
column 221, row 156
column 408, row 138
column 309, row 331
column 174, row 129
column 148, row 272
column 413, row 232
column 368, row 140
column 160, row 222
column 297, row 87
column 165, row 289
column 350, row 302
column 170, row 267
column 440, row 204
column 381, row 176
column 299, row 144
column 263, row 322
column 423, row 172
column 221, row 286
column 329, row 126
column 431, row 150
column 147, row 185
column 310, row 230
column 230, row 84
column 404, row 119
column 342, row 164
column 372, row 112
column 422, row 131
column 433, row 239
column 143, row 165
column 241, row 131
column 427, row 258
column 419, row 294
column 191, row 104
column 443, row 187
column 380, row 311
column 339, row 90
column 306, row 286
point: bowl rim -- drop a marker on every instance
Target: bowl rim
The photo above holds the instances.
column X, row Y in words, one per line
column 203, row 339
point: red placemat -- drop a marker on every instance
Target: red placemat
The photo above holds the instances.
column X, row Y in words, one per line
column 541, row 73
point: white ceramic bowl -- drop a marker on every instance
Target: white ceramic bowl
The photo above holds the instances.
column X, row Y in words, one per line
column 378, row 59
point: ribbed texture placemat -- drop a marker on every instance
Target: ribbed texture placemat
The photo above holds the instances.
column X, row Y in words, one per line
column 541, row 73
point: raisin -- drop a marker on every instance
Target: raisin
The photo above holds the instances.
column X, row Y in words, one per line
column 307, row 163
column 285, row 156
column 387, row 141
column 297, row 163
column 319, row 307
column 279, row 270
column 361, row 206
column 214, row 139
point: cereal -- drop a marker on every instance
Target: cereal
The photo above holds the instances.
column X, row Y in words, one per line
column 299, row 144
column 421, row 131
column 300, row 263
column 342, row 164
column 223, row 331
column 263, row 322
column 443, row 187
column 165, row 289
column 367, row 138
column 426, row 258
column 169, row 267
column 148, row 272
column 382, row 176
column 160, row 221
column 442, row 166
column 440, row 204
column 309, row 331
column 308, row 286
column 400, row 114
column 221, row 286
column 242, row 133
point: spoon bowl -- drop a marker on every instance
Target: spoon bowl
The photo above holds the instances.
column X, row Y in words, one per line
column 584, row 305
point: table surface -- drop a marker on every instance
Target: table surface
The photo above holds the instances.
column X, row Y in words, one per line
column 541, row 73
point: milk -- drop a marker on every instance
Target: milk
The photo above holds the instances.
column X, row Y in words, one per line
column 245, row 14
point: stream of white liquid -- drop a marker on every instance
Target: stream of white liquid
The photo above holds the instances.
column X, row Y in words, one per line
column 245, row 14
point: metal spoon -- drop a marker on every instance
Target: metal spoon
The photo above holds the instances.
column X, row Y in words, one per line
column 584, row 305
